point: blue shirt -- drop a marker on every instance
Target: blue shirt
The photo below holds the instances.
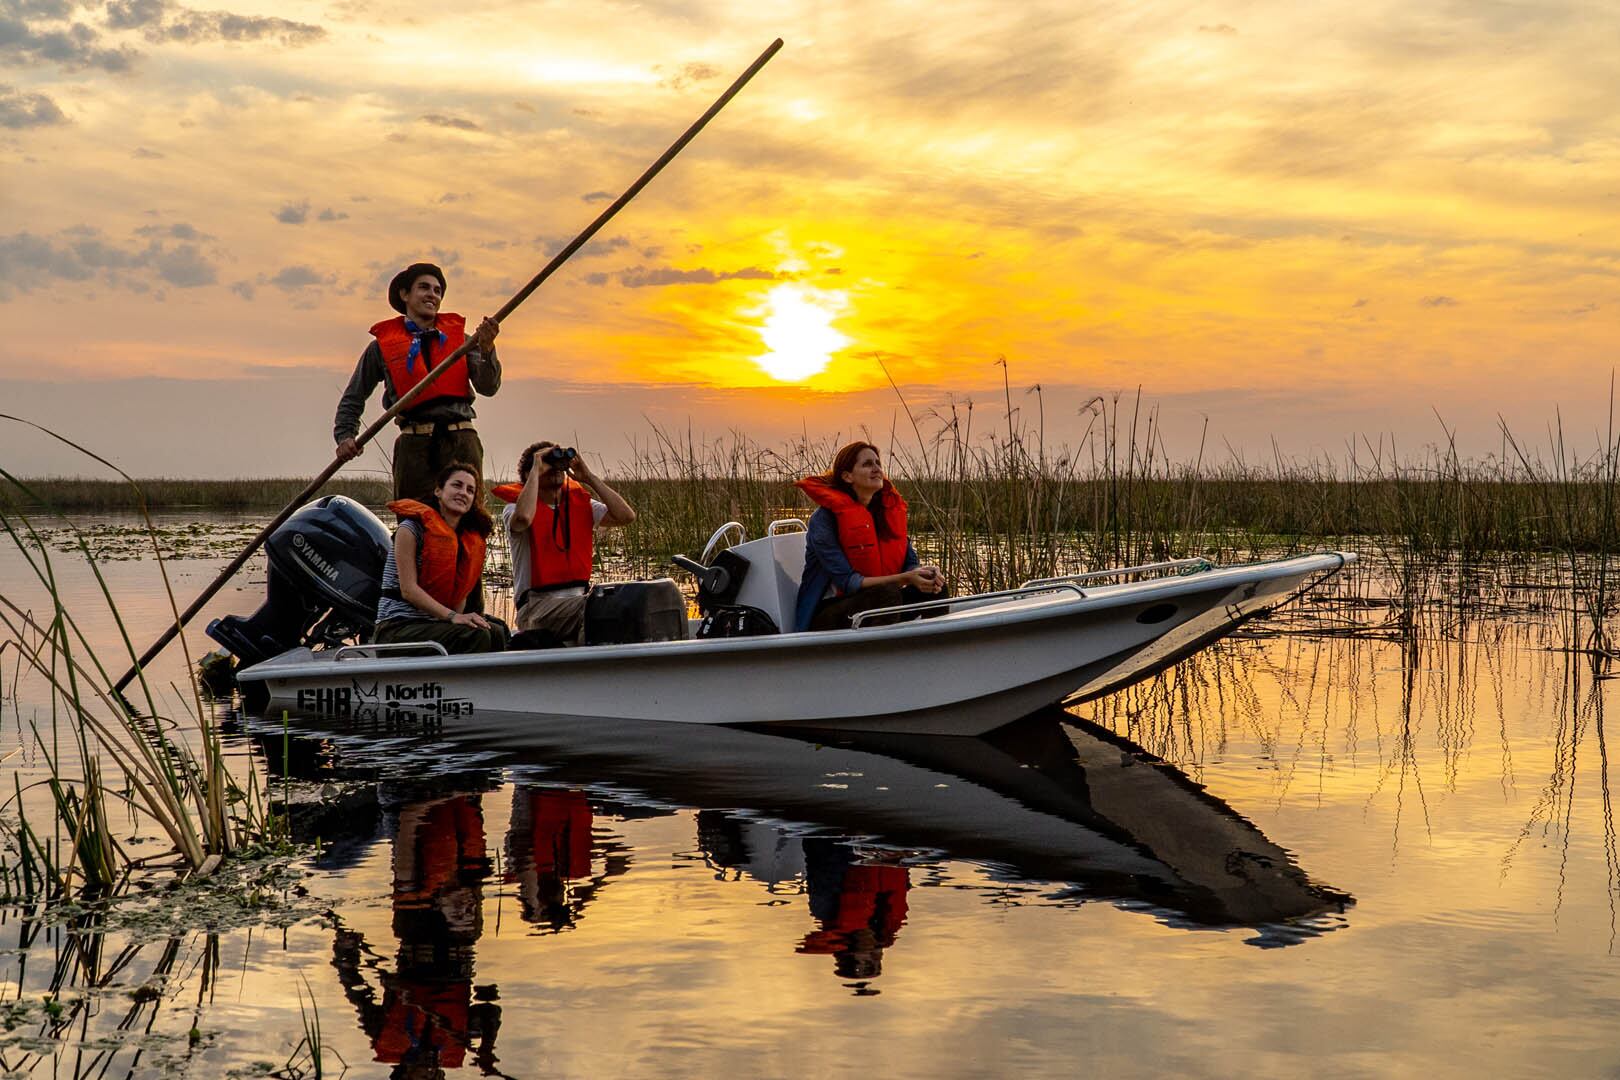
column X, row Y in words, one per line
column 825, row 564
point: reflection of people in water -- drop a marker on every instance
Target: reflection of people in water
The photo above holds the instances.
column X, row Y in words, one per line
column 861, row 906
column 735, row 846
column 427, row 1019
column 549, row 845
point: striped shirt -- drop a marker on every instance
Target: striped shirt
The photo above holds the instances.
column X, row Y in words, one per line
column 387, row 606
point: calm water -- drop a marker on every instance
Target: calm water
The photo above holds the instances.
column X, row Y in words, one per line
column 1342, row 853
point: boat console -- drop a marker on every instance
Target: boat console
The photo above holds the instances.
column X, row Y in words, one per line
column 760, row 576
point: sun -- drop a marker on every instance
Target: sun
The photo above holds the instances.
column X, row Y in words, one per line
column 798, row 331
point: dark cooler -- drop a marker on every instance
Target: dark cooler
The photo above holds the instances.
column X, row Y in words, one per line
column 632, row 611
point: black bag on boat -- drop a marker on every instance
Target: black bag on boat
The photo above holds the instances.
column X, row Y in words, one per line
column 628, row 612
column 738, row 621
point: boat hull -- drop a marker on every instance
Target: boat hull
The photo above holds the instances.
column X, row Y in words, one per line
column 964, row 673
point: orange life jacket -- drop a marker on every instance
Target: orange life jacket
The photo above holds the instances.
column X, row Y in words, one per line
column 451, row 560
column 869, row 898
column 425, row 1021
column 560, row 833
column 561, row 538
column 405, row 370
column 869, row 554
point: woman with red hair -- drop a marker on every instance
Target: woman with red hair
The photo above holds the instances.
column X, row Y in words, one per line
column 857, row 555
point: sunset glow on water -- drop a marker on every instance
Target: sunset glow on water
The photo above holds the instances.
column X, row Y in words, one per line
column 1302, row 850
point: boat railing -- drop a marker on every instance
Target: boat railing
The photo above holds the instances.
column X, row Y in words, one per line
column 393, row 648
column 720, row 534
column 1186, row 566
column 976, row 600
column 783, row 525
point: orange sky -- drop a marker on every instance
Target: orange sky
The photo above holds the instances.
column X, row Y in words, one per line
column 1300, row 221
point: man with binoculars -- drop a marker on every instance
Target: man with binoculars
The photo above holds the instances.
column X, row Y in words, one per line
column 557, row 504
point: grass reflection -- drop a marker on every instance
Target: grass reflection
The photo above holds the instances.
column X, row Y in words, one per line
column 1405, row 708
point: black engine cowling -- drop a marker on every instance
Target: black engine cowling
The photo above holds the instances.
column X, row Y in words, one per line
column 326, row 564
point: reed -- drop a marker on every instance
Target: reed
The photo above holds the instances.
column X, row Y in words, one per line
column 996, row 507
column 78, row 495
column 308, row 1057
column 179, row 784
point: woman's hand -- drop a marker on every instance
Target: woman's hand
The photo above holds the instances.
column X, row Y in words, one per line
column 469, row 618
column 926, row 579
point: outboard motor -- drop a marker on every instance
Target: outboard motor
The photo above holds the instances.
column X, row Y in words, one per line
column 326, row 564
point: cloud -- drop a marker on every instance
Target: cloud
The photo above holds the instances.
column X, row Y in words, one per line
column 40, row 9
column 551, row 245
column 75, row 47
column 689, row 75
column 330, row 214
column 292, row 278
column 147, row 155
column 19, row 109
column 26, row 258
column 454, row 197
column 179, row 231
column 457, row 122
column 596, row 196
column 82, row 253
column 184, row 267
column 135, row 14
column 1438, row 301
column 639, row 277
column 1217, row 28
column 293, row 213
column 244, row 289
column 198, row 26
column 161, row 21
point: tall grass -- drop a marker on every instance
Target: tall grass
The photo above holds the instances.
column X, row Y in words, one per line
column 179, row 784
column 995, row 504
column 79, row 495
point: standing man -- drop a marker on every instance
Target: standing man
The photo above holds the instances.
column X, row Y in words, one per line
column 557, row 505
column 438, row 427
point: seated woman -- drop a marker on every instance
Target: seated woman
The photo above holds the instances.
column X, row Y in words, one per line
column 857, row 556
column 436, row 561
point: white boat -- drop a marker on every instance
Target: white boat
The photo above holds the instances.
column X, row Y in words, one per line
column 976, row 663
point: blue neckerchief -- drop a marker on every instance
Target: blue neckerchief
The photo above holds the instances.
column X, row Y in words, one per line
column 416, row 333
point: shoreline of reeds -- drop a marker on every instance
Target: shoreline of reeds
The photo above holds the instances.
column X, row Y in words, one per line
column 1484, row 515
column 168, row 494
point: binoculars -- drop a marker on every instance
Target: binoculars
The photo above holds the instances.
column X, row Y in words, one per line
column 558, row 457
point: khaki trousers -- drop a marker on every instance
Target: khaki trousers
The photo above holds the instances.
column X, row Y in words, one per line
column 561, row 612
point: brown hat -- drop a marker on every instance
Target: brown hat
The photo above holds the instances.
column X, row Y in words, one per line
column 406, row 278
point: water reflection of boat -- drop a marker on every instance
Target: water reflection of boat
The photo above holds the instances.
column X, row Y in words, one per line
column 1046, row 799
